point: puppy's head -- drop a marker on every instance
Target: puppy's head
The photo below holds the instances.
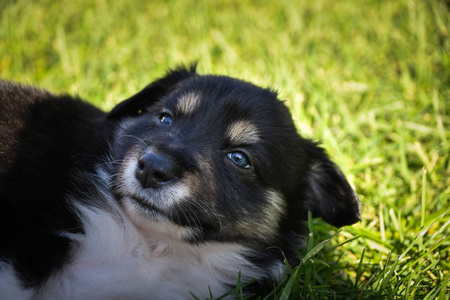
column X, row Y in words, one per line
column 211, row 158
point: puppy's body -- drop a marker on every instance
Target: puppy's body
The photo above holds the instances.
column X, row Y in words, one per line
column 44, row 139
column 206, row 177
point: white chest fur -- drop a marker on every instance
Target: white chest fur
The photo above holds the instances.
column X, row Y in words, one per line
column 114, row 260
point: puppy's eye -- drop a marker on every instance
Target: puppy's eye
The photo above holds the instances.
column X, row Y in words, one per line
column 240, row 159
column 165, row 118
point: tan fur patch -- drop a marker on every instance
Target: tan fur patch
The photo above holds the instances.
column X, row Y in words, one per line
column 265, row 227
column 188, row 103
column 276, row 205
column 243, row 132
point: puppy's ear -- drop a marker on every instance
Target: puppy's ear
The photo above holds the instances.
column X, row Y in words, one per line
column 329, row 195
column 152, row 93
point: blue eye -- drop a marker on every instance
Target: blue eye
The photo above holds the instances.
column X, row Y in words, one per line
column 240, row 159
column 165, row 119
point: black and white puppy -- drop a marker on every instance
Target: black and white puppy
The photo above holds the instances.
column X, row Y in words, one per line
column 173, row 193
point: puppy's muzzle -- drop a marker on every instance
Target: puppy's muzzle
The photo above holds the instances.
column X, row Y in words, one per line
column 154, row 170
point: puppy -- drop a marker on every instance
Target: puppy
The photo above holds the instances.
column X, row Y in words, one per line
column 180, row 190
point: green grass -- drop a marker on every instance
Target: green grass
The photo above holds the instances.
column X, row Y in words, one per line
column 371, row 79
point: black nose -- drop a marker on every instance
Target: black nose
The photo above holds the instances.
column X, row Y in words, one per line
column 155, row 169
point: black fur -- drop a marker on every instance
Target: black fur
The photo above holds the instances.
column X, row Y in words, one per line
column 46, row 140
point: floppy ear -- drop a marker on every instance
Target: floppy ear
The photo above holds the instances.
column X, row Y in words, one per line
column 329, row 195
column 152, row 93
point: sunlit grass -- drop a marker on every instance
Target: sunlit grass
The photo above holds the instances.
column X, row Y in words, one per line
column 371, row 79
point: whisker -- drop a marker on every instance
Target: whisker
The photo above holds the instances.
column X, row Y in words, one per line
column 211, row 210
column 134, row 137
column 192, row 216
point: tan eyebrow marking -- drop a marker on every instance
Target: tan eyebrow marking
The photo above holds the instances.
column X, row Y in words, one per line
column 188, row 103
column 243, row 132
